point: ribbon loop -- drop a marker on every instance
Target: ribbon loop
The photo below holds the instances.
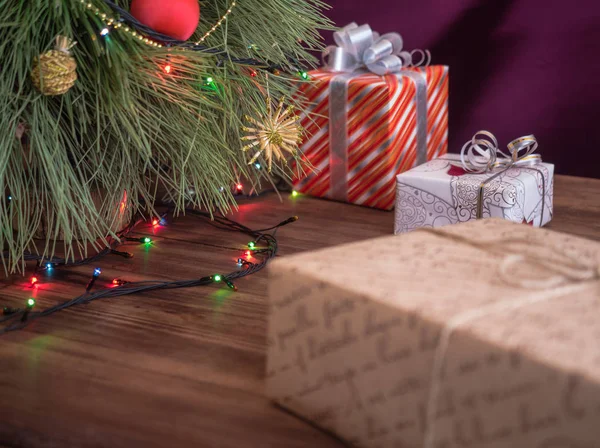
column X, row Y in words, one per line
column 481, row 154
column 527, row 145
column 354, row 39
column 425, row 60
column 339, row 36
column 338, row 60
column 406, row 58
column 395, row 39
column 359, row 47
column 378, row 50
column 388, row 64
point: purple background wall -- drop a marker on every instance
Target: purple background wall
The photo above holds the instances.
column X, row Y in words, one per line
column 516, row 67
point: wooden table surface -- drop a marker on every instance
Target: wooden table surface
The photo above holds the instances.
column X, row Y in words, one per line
column 183, row 368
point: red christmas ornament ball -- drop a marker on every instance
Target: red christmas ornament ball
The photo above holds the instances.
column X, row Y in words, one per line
column 175, row 18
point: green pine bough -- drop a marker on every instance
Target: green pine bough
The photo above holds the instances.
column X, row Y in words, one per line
column 70, row 164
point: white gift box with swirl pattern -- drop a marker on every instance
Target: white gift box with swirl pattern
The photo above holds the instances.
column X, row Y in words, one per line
column 444, row 191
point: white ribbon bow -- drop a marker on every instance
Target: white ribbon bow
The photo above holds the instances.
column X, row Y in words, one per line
column 359, row 47
column 481, row 154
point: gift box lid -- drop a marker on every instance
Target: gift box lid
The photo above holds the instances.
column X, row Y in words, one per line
column 513, row 284
column 441, row 171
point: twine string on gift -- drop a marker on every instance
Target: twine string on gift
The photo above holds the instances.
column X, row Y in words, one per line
column 482, row 155
column 568, row 276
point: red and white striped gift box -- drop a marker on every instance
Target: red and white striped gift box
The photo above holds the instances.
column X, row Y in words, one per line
column 374, row 130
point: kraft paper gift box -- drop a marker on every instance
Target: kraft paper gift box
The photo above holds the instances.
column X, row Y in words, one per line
column 364, row 128
column 442, row 192
column 483, row 334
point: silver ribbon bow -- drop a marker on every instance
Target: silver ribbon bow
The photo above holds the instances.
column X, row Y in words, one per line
column 360, row 47
column 481, row 154
column 361, row 50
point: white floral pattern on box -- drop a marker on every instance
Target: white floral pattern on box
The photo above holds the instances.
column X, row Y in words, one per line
column 440, row 192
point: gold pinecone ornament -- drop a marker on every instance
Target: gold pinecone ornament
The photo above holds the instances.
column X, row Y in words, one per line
column 55, row 72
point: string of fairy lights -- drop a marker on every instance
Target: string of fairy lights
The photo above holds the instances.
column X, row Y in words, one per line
column 263, row 248
column 127, row 23
column 111, row 22
column 123, row 20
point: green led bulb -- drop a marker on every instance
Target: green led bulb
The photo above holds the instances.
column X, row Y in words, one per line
column 30, row 303
column 304, row 75
column 217, row 277
column 294, row 193
column 209, row 80
column 147, row 240
column 251, row 244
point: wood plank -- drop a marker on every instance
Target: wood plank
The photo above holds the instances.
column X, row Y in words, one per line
column 183, row 367
column 577, row 206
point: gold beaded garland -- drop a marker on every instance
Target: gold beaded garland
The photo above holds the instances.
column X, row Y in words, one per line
column 55, row 71
column 218, row 24
column 107, row 20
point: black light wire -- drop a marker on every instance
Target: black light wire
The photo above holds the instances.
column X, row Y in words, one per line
column 128, row 288
column 113, row 243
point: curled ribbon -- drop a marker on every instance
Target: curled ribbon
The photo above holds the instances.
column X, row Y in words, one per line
column 359, row 47
column 482, row 155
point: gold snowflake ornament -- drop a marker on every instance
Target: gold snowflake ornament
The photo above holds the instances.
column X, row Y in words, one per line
column 274, row 134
